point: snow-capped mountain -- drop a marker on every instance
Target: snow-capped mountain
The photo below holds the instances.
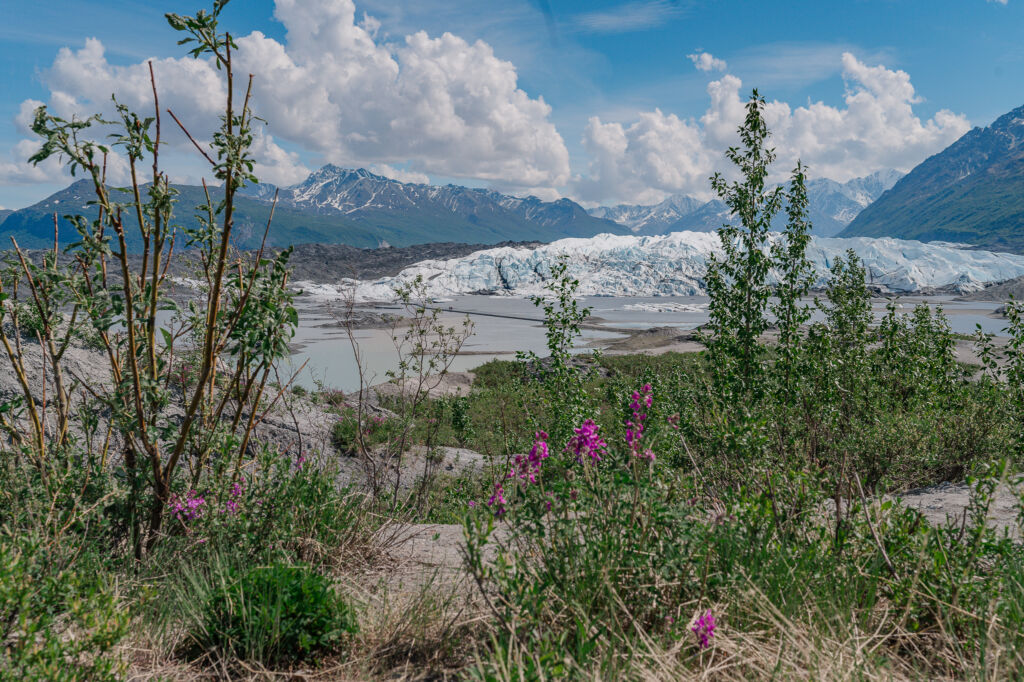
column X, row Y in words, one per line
column 832, row 206
column 971, row 192
column 650, row 219
column 334, row 191
column 674, row 265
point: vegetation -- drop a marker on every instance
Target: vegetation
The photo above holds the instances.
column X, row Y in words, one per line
column 723, row 514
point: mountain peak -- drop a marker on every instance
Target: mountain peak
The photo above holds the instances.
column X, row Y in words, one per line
column 330, row 170
column 970, row 192
column 832, row 206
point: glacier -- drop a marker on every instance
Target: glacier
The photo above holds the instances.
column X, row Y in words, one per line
column 674, row 265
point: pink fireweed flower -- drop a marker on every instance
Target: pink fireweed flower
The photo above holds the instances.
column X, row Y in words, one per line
column 587, row 442
column 231, row 506
column 527, row 467
column 186, row 508
column 704, row 628
column 635, row 425
column 498, row 500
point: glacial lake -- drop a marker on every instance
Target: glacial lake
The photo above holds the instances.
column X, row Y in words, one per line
column 503, row 325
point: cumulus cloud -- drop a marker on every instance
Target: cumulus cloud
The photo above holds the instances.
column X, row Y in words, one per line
column 659, row 154
column 275, row 164
column 400, row 174
column 705, row 61
column 15, row 170
column 440, row 104
column 1001, row 2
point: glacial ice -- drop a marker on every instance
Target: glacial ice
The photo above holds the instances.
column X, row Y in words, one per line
column 674, row 265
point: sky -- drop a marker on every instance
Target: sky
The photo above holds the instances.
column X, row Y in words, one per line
column 603, row 101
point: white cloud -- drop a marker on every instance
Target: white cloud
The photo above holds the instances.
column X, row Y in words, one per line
column 400, row 174
column 276, row 165
column 705, row 61
column 1001, row 2
column 441, row 105
column 659, row 154
column 16, row 170
column 633, row 16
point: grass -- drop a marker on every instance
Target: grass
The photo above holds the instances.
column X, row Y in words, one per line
column 796, row 592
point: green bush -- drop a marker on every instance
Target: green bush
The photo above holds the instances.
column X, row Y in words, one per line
column 274, row 614
column 55, row 624
column 349, row 435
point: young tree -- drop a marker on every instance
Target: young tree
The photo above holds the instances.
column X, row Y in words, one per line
column 239, row 326
column 795, row 276
column 737, row 281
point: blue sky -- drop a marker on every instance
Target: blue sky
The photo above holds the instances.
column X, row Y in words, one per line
column 600, row 100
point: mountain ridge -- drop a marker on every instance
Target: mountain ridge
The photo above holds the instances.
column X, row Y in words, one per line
column 348, row 206
column 971, row 192
column 832, row 205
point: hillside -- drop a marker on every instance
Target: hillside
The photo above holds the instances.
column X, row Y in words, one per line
column 354, row 207
column 971, row 192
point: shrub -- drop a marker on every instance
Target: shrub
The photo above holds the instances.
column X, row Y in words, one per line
column 273, row 614
column 163, row 417
column 55, row 624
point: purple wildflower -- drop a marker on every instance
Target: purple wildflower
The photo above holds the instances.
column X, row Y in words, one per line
column 187, row 508
column 704, row 628
column 527, row 467
column 498, row 500
column 635, row 426
column 587, row 442
column 231, row 506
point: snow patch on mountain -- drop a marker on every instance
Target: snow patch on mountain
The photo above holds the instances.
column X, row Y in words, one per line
column 831, row 207
column 674, row 265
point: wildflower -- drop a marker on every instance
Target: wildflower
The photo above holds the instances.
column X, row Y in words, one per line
column 527, row 467
column 587, row 442
column 472, row 504
column 498, row 500
column 704, row 628
column 187, row 508
column 231, row 506
column 635, row 426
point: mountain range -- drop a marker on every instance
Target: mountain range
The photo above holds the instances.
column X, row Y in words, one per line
column 971, row 192
column 831, row 207
column 356, row 207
